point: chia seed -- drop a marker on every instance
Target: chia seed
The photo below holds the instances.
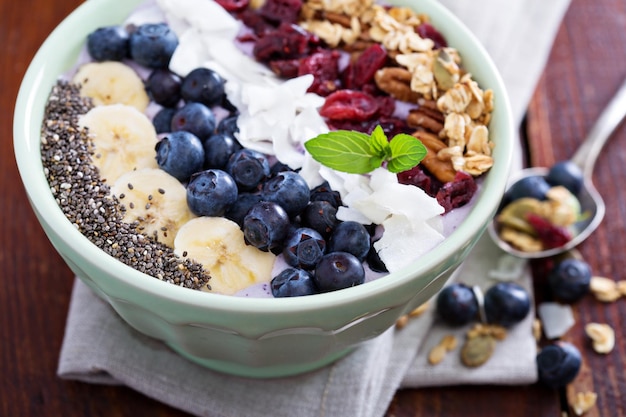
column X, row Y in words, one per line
column 67, row 152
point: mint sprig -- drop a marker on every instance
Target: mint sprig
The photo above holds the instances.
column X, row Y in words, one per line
column 360, row 153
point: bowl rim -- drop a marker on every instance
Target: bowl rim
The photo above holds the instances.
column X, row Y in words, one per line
column 28, row 158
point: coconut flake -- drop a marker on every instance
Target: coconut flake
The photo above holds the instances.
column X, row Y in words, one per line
column 556, row 319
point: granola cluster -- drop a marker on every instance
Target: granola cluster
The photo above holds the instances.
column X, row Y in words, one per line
column 451, row 108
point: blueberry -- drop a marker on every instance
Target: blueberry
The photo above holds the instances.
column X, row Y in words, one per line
column 108, row 43
column 320, row 216
column 558, row 364
column 303, row 248
column 266, row 226
column 351, row 237
column 248, row 168
column 203, row 85
column 506, row 303
column 163, row 86
column 218, row 148
column 152, row 45
column 324, row 192
column 228, row 125
column 293, row 282
column 289, row 190
column 374, row 262
column 195, row 118
column 569, row 280
column 241, row 206
column 534, row 187
column 456, row 304
column 567, row 174
column 338, row 270
column 211, row 192
column 162, row 121
column 180, row 154
column 278, row 167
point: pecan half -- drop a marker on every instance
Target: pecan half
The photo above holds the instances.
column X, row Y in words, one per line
column 425, row 118
column 397, row 83
column 442, row 170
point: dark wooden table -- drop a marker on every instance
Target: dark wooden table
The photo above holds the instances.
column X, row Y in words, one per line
column 586, row 66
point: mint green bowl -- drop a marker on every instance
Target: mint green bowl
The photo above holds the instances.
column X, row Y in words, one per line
column 246, row 336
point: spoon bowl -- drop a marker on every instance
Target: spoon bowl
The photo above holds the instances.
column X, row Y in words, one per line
column 591, row 202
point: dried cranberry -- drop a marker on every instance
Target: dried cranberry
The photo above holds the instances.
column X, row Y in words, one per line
column 458, row 192
column 386, row 106
column 256, row 23
column 286, row 68
column 324, row 65
column 366, row 65
column 417, row 177
column 392, row 126
column 428, row 31
column 288, row 41
column 349, row 105
column 281, row 10
column 552, row 236
column 233, row 5
column 366, row 126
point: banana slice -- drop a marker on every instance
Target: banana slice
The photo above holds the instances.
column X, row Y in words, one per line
column 123, row 138
column 111, row 82
column 156, row 200
column 217, row 243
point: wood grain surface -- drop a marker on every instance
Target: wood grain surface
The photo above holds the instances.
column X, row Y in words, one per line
column 587, row 64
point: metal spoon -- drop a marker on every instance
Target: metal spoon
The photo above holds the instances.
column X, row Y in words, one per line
column 590, row 200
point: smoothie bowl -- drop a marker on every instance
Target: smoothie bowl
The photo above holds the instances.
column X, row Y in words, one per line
column 223, row 285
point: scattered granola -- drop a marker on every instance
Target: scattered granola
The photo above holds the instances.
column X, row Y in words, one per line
column 583, row 402
column 447, row 344
column 605, row 289
column 602, row 337
column 418, row 311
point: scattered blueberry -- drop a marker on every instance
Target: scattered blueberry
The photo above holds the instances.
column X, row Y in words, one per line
column 569, row 280
column 108, row 43
column 303, row 248
column 289, row 190
column 456, row 304
column 320, row 216
column 203, row 85
column 241, row 206
column 152, row 45
column 211, row 192
column 567, row 174
column 506, row 303
column 248, row 168
column 293, row 282
column 351, row 237
column 163, row 86
column 195, row 118
column 558, row 364
column 228, row 125
column 162, row 120
column 180, row 154
column 218, row 148
column 265, row 226
column 534, row 187
column 338, row 270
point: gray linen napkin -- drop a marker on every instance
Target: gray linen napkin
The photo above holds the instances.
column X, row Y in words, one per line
column 99, row 347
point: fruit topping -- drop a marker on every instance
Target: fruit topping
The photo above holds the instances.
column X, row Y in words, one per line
column 203, row 85
column 304, row 247
column 350, row 105
column 211, row 192
column 265, row 226
column 567, row 174
column 195, row 118
column 458, row 192
column 281, row 10
column 248, row 168
column 351, row 237
column 293, row 282
column 109, row 43
column 218, row 149
column 289, row 190
column 163, row 86
column 152, row 45
column 338, row 270
column 180, row 154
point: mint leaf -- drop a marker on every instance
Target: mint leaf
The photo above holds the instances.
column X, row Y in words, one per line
column 379, row 145
column 406, row 152
column 345, row 151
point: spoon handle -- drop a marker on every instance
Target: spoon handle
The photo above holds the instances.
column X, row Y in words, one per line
column 585, row 157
